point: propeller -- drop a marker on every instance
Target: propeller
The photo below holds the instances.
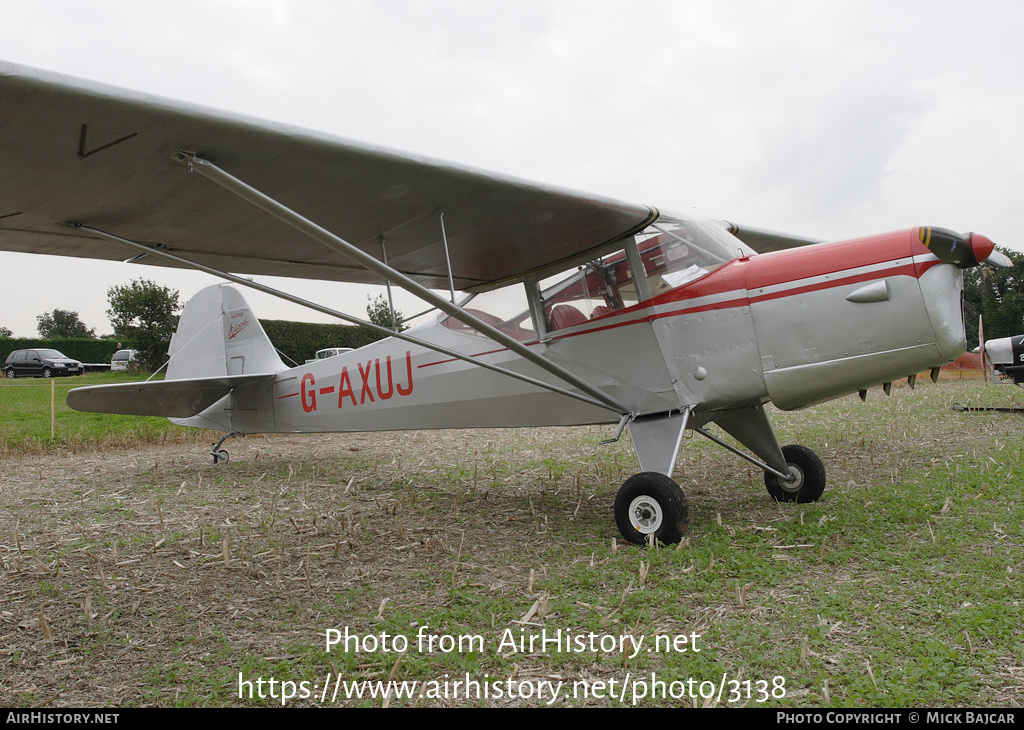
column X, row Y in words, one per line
column 981, row 348
column 963, row 250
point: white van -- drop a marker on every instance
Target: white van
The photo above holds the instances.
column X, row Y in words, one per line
column 121, row 359
column 328, row 352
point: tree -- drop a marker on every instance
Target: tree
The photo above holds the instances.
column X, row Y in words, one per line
column 61, row 324
column 379, row 312
column 146, row 314
column 5, row 333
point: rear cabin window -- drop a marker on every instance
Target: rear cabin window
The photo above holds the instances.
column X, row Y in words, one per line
column 505, row 309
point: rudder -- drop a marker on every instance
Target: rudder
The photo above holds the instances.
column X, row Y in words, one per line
column 218, row 335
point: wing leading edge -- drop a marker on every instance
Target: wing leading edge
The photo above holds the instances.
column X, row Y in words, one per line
column 80, row 152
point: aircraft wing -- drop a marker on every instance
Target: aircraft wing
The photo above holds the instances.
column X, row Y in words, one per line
column 169, row 398
column 80, row 152
column 763, row 240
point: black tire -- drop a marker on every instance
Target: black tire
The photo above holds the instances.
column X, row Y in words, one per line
column 648, row 504
column 47, row 373
column 809, row 472
column 10, row 373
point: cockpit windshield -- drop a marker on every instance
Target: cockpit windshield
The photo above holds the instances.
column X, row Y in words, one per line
column 677, row 250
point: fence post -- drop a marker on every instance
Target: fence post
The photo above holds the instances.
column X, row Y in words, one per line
column 53, row 407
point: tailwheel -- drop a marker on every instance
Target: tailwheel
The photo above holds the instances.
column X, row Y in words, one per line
column 220, row 456
column 651, row 505
column 808, row 474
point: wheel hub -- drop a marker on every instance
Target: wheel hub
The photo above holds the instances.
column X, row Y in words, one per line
column 645, row 514
column 796, row 479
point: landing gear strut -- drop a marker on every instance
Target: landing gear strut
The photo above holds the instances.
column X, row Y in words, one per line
column 650, row 506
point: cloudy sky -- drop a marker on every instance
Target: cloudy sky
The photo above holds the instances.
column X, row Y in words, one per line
column 825, row 119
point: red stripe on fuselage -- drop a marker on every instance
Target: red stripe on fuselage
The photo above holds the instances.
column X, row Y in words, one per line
column 780, row 267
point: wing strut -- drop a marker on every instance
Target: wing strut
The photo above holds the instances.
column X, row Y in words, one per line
column 333, row 242
column 391, row 301
column 447, row 256
column 148, row 250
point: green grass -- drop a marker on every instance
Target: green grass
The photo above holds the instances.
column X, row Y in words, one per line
column 25, row 424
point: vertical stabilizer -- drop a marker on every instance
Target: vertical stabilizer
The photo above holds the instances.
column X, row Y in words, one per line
column 219, row 335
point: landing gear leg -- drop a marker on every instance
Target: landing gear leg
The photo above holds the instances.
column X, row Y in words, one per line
column 220, row 456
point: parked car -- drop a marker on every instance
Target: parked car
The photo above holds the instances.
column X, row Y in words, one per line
column 40, row 363
column 328, row 352
column 121, row 360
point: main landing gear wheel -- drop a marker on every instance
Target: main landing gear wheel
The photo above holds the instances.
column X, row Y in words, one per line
column 808, row 476
column 651, row 504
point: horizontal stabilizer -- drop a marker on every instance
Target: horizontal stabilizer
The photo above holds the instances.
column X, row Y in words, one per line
column 168, row 398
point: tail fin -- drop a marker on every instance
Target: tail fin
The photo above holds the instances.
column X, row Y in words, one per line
column 218, row 335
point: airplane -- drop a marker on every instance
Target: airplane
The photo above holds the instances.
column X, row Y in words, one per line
column 572, row 308
column 1003, row 359
column 1002, row 362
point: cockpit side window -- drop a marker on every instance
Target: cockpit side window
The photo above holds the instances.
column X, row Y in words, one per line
column 596, row 289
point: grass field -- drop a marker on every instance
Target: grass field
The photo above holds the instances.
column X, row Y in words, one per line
column 26, row 417
column 142, row 574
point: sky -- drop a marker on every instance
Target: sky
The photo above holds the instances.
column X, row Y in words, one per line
column 824, row 119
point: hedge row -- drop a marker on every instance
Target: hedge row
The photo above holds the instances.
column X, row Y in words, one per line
column 296, row 340
column 83, row 350
column 299, row 341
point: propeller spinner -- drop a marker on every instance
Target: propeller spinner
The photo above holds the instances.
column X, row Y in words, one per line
column 963, row 250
